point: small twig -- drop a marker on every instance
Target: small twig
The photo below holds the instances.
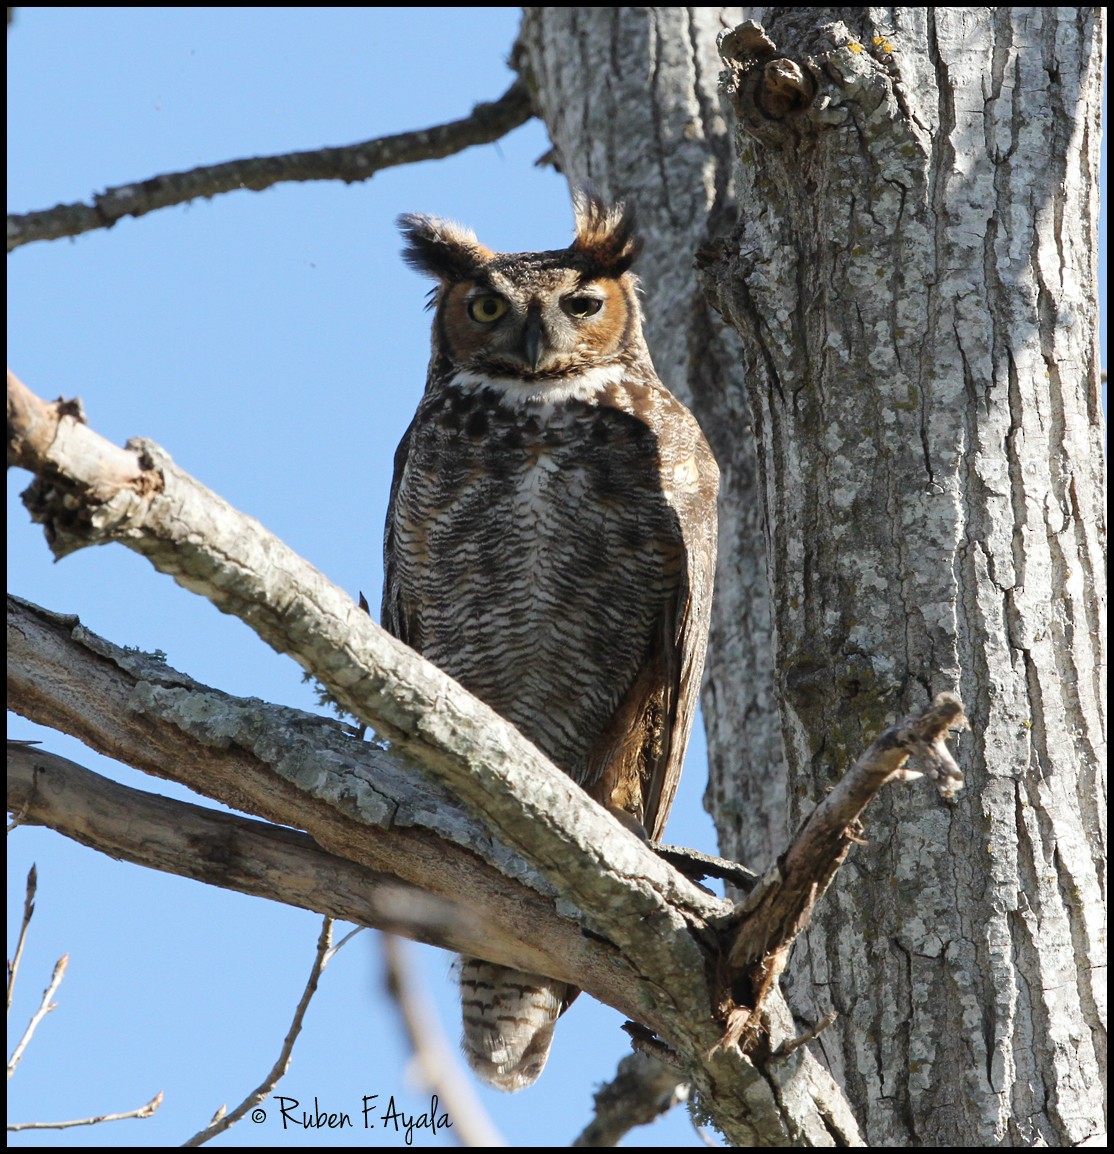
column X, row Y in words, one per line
column 222, row 1120
column 787, row 1048
column 334, row 950
column 144, row 1111
column 646, row 1042
column 486, row 123
column 45, row 1006
column 435, row 1062
column 697, row 866
column 28, row 914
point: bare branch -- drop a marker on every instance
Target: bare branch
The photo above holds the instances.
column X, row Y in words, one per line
column 436, row 1063
column 223, row 1121
column 45, row 1007
column 144, row 1111
column 226, row 850
column 781, row 907
column 354, row 162
column 780, row 911
column 137, row 708
column 369, row 805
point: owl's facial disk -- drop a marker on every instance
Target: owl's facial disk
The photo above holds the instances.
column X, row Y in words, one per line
column 544, row 330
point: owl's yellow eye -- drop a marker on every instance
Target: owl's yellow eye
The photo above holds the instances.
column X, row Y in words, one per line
column 580, row 307
column 487, row 308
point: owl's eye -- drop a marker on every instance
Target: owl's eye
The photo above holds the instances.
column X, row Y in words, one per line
column 581, row 307
column 486, row 309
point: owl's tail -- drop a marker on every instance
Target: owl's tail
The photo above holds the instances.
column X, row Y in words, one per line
column 508, row 1021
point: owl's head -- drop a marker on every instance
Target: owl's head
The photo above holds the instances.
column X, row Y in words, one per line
column 537, row 316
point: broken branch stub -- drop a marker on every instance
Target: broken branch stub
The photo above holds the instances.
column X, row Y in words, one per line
column 771, row 917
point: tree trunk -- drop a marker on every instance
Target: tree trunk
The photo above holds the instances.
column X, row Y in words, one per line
column 912, row 277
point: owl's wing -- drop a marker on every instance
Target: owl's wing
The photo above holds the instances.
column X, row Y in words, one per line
column 684, row 641
column 394, row 615
column 636, row 764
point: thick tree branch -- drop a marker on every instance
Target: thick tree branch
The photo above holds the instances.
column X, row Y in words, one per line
column 396, row 852
column 235, row 853
column 485, row 124
column 136, row 708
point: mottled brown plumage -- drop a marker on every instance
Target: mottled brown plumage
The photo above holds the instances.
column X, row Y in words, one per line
column 551, row 543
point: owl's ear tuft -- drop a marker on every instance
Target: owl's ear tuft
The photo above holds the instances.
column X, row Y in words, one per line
column 442, row 249
column 605, row 233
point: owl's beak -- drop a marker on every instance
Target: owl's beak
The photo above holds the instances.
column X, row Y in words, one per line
column 532, row 340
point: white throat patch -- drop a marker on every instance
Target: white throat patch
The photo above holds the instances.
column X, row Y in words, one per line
column 583, row 386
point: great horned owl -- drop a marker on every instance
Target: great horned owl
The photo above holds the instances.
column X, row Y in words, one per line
column 551, row 543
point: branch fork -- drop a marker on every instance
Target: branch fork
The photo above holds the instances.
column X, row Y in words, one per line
column 610, row 916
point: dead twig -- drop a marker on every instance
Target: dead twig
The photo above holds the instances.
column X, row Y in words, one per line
column 767, row 923
column 223, row 1120
column 787, row 1048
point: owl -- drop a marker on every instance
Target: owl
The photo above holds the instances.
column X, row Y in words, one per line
column 550, row 543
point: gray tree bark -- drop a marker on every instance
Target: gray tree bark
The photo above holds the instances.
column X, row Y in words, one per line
column 912, row 277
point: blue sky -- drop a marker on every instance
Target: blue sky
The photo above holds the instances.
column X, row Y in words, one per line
column 275, row 345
